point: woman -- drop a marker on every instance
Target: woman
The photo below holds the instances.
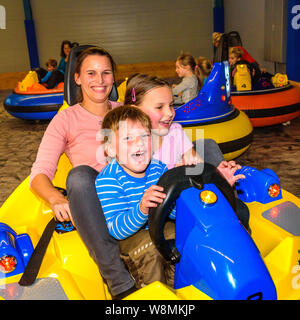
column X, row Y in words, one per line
column 65, row 50
column 74, row 132
column 57, row 75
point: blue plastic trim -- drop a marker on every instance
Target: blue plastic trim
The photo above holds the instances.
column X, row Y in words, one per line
column 256, row 184
column 31, row 36
column 34, row 116
column 27, row 100
column 293, row 41
column 218, row 256
column 219, row 20
column 18, row 246
column 213, row 101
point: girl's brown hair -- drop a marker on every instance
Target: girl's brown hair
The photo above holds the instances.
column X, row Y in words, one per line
column 187, row 59
column 92, row 51
column 139, row 85
column 203, row 69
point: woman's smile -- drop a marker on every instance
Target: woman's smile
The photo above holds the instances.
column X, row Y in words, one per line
column 96, row 78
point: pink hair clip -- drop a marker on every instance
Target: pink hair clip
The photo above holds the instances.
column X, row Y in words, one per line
column 133, row 97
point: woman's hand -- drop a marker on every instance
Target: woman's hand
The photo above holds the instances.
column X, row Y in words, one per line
column 152, row 196
column 228, row 169
column 42, row 185
column 61, row 209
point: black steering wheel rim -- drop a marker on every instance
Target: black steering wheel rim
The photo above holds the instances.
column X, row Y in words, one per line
column 174, row 181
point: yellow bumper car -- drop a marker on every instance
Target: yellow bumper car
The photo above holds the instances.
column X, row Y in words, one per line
column 214, row 256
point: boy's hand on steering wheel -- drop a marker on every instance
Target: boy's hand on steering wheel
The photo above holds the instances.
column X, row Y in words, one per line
column 152, row 196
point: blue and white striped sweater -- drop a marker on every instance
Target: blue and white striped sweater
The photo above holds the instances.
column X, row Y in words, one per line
column 120, row 195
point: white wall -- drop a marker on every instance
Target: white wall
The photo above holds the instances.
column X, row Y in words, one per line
column 132, row 31
column 13, row 46
column 247, row 17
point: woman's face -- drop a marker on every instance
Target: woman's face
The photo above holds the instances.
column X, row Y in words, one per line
column 95, row 78
column 158, row 105
column 67, row 49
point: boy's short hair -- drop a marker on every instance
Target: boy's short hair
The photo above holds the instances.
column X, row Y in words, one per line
column 113, row 118
column 51, row 62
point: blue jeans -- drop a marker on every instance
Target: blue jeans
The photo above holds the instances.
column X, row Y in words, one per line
column 91, row 226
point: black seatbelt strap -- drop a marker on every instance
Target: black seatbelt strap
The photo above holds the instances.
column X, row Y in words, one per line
column 32, row 269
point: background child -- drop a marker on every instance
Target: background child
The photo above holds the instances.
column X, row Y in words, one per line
column 203, row 69
column 51, row 64
column 52, row 77
column 127, row 189
column 234, row 57
column 188, row 88
column 237, row 55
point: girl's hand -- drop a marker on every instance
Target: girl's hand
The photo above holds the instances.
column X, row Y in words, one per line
column 228, row 169
column 152, row 196
column 191, row 157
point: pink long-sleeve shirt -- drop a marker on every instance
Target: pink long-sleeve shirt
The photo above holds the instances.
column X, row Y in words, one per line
column 73, row 131
column 174, row 145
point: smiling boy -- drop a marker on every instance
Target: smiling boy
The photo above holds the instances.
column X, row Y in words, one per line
column 127, row 189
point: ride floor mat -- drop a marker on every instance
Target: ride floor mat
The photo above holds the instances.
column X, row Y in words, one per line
column 42, row 289
column 285, row 215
